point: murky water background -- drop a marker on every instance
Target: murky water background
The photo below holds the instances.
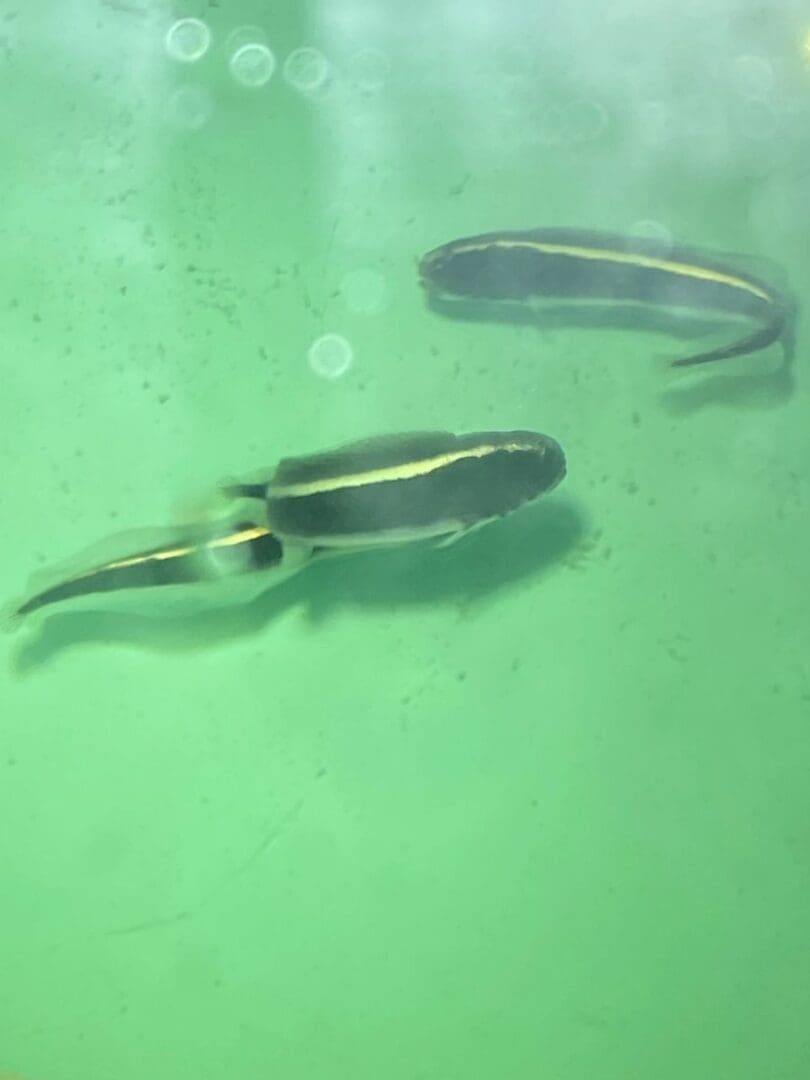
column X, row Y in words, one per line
column 535, row 804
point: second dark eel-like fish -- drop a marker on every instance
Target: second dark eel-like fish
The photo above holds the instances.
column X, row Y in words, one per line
column 576, row 264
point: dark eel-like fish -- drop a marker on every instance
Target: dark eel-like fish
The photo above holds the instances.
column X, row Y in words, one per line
column 576, row 264
column 362, row 496
column 399, row 488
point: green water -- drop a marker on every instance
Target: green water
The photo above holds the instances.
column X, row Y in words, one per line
column 534, row 805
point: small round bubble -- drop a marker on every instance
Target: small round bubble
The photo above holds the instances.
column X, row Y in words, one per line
column 252, row 64
column 189, row 108
column 306, row 69
column 702, row 120
column 369, row 69
column 188, row 40
column 515, row 61
column 753, row 77
column 584, row 120
column 330, row 356
column 757, row 121
column 655, row 231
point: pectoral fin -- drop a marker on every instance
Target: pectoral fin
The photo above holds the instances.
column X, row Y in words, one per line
column 453, row 537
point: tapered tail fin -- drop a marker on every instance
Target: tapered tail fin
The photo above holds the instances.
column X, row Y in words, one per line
column 780, row 326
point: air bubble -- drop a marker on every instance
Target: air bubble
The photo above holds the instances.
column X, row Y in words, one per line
column 306, row 69
column 252, row 64
column 369, row 69
column 584, row 120
column 188, row 40
column 189, row 108
column 516, row 61
column 703, row 120
column 330, row 356
column 757, row 121
column 654, row 231
column 753, row 77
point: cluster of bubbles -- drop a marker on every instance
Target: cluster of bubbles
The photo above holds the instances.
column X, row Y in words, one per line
column 252, row 63
column 364, row 291
column 751, row 102
column 306, row 70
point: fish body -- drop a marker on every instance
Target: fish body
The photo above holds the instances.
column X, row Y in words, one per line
column 360, row 496
column 578, row 264
column 399, row 488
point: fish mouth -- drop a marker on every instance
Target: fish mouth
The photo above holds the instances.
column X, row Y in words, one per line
column 558, row 479
column 555, row 464
column 424, row 279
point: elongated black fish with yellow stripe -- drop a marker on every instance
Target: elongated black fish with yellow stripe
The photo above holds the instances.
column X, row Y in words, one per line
column 362, row 496
column 580, row 264
column 399, row 488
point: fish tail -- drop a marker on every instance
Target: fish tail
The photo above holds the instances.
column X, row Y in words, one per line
column 12, row 616
column 775, row 328
column 244, row 491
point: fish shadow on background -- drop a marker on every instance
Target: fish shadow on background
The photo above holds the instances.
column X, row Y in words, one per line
column 746, row 389
column 472, row 569
column 719, row 385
